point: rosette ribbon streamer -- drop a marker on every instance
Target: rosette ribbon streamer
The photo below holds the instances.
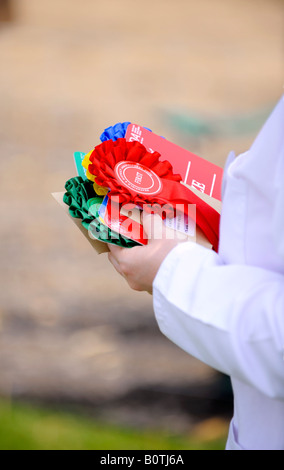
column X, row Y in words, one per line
column 138, row 177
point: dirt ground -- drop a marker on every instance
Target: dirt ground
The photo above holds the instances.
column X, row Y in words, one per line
column 71, row 330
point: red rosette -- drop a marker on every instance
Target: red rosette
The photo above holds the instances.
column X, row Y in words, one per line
column 138, row 177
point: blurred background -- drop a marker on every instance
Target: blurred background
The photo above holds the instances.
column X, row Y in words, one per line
column 82, row 362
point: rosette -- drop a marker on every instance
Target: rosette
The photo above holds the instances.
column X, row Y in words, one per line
column 100, row 190
column 84, row 204
column 117, row 131
column 114, row 132
column 136, row 176
column 78, row 193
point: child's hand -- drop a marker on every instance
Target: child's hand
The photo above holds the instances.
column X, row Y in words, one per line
column 139, row 265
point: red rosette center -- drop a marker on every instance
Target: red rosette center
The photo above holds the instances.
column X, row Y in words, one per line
column 131, row 172
column 138, row 178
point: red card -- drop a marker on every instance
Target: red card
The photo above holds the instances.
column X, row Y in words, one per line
column 195, row 171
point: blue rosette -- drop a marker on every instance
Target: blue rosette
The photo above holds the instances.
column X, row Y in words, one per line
column 117, row 131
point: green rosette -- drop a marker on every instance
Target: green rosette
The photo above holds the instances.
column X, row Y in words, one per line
column 84, row 204
column 103, row 233
column 78, row 193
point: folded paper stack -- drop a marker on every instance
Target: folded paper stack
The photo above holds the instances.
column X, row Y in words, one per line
column 134, row 170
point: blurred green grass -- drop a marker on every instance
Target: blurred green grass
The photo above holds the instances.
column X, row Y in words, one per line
column 25, row 427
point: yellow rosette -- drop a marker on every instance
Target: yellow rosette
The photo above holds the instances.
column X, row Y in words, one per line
column 100, row 190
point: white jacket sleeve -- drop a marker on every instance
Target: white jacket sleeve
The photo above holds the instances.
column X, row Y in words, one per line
column 229, row 316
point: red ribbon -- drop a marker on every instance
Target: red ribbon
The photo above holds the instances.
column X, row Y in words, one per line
column 122, row 166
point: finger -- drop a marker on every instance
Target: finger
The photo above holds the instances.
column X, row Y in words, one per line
column 115, row 263
column 114, row 249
